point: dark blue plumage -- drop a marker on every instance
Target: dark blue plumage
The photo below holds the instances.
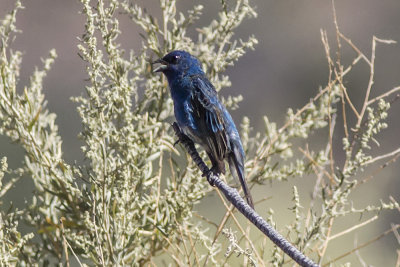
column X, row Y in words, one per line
column 201, row 116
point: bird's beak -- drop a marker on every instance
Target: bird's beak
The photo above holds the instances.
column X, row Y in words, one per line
column 162, row 67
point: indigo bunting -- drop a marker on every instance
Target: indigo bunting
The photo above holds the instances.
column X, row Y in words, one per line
column 201, row 116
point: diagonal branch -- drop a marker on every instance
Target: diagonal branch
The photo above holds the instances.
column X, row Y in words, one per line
column 233, row 196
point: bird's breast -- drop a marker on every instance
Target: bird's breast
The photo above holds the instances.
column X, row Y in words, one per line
column 184, row 117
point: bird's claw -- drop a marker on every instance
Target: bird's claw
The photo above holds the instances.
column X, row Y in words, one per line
column 177, row 142
column 210, row 177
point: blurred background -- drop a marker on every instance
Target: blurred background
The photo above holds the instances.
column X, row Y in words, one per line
column 285, row 70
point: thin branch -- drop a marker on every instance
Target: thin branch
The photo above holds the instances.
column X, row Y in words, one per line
column 158, row 189
column 353, row 108
column 240, row 227
column 331, row 129
column 353, row 228
column 339, row 75
column 384, row 95
column 173, row 256
column 379, row 169
column 350, row 67
column 370, row 83
column 308, row 156
column 223, row 222
column 205, row 219
column 355, row 48
column 66, row 243
column 394, row 201
column 186, row 254
column 220, row 227
column 262, row 200
column 345, row 95
column 233, row 196
column 177, row 250
column 363, row 264
column 326, row 242
column 362, row 245
column 192, row 245
column 99, row 247
column 388, row 155
column 396, row 234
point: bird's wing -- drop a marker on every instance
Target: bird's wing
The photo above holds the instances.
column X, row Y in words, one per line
column 209, row 115
column 222, row 138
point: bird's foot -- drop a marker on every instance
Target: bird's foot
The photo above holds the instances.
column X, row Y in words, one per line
column 211, row 176
column 182, row 138
column 177, row 142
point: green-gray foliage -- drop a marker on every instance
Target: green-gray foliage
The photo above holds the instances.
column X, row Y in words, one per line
column 131, row 201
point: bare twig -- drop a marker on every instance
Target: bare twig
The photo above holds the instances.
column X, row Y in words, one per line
column 309, row 157
column 381, row 167
column 326, row 242
column 393, row 200
column 370, row 83
column 353, row 228
column 363, row 264
column 396, row 234
column 355, row 48
column 363, row 245
column 396, row 89
column 66, row 243
column 388, row 155
column 192, row 245
column 205, row 219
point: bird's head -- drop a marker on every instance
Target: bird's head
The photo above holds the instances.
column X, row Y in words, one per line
column 177, row 63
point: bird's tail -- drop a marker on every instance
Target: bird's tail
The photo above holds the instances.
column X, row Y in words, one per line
column 236, row 167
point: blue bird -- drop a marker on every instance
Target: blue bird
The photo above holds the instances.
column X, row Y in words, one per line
column 201, row 116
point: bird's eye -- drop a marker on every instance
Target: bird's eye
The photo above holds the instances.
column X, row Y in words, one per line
column 175, row 59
